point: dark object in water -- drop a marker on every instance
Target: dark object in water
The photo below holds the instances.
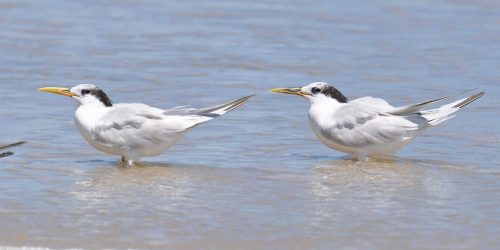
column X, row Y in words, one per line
column 5, row 154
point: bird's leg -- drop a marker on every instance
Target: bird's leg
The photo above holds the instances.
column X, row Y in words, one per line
column 130, row 163
column 127, row 161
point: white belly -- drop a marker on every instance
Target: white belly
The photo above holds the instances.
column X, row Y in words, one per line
column 130, row 153
column 357, row 152
column 329, row 142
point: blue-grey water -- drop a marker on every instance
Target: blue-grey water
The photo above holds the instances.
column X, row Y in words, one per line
column 256, row 177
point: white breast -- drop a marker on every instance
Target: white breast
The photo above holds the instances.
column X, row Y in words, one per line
column 86, row 117
column 318, row 126
column 358, row 131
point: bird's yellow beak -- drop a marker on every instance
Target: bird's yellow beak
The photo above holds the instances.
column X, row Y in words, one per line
column 291, row 91
column 57, row 90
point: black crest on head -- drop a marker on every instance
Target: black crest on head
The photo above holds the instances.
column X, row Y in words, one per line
column 101, row 96
column 334, row 93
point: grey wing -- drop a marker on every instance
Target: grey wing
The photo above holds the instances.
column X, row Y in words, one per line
column 358, row 125
column 213, row 111
column 376, row 104
column 137, row 125
column 413, row 108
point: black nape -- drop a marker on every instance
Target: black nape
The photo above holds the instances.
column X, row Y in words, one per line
column 335, row 94
column 101, row 96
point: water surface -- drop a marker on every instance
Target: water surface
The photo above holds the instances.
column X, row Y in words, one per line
column 256, row 177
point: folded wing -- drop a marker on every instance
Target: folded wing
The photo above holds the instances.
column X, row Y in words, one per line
column 136, row 125
column 371, row 120
column 359, row 125
column 413, row 108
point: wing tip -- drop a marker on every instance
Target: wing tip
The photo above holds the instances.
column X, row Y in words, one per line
column 19, row 143
column 469, row 100
column 238, row 103
column 219, row 110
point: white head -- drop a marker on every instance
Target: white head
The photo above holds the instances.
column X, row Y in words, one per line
column 315, row 92
column 86, row 94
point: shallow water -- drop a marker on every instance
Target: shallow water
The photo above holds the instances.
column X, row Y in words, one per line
column 256, row 177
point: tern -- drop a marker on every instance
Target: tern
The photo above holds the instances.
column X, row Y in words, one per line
column 368, row 126
column 2, row 147
column 134, row 130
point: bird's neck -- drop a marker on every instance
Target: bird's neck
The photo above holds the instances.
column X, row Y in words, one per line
column 323, row 111
column 88, row 114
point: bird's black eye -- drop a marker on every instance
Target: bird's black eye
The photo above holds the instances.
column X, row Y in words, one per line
column 315, row 90
column 85, row 91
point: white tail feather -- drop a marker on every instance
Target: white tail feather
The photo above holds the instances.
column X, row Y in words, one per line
column 441, row 114
column 191, row 117
column 221, row 109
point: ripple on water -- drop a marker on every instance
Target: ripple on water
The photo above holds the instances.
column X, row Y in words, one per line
column 256, row 177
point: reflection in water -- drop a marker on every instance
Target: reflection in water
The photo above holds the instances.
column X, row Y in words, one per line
column 5, row 154
column 346, row 185
column 252, row 179
column 162, row 181
column 372, row 187
column 347, row 174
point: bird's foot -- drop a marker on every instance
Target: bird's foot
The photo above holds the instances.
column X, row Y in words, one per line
column 130, row 163
column 127, row 162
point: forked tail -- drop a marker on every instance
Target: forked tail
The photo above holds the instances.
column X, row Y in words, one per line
column 218, row 110
column 443, row 113
column 192, row 117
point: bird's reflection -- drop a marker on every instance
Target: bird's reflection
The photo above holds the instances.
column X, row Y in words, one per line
column 145, row 183
column 5, row 154
column 378, row 186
